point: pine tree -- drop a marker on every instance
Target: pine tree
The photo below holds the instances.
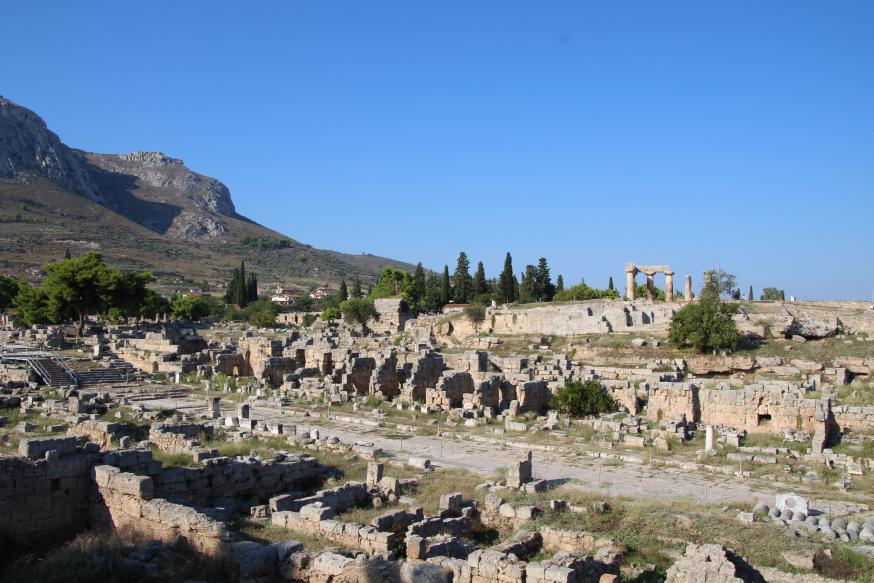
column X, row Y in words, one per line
column 559, row 283
column 445, row 287
column 356, row 288
column 418, row 289
column 480, row 285
column 610, row 284
column 344, row 292
column 543, row 288
column 750, row 294
column 506, row 283
column 461, row 282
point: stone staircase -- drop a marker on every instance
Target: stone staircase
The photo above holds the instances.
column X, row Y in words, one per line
column 52, row 372
column 118, row 371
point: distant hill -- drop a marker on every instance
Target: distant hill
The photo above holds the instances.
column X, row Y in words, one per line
column 142, row 210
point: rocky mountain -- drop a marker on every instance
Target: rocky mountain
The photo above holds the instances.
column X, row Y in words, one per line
column 144, row 210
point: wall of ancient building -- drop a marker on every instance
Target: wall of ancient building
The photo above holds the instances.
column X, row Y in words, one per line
column 126, row 502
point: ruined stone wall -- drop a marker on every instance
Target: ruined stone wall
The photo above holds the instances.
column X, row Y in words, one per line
column 101, row 432
column 854, row 419
column 349, row 534
column 593, row 317
column 450, row 390
column 221, row 477
column 126, row 502
column 757, row 408
column 669, row 400
column 45, row 500
column 533, row 396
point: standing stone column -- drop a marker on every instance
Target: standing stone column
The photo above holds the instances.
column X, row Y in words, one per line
column 687, row 294
column 669, row 286
column 650, row 285
column 630, row 286
column 708, row 439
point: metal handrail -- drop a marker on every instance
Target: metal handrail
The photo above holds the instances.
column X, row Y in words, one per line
column 70, row 372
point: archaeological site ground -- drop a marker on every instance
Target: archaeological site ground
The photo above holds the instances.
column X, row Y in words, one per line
column 426, row 448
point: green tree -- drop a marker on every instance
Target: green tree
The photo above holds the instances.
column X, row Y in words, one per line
column 610, row 284
column 476, row 313
column 344, row 292
column 718, row 282
column 9, row 288
column 658, row 293
column 190, row 307
column 251, row 288
column 750, row 294
column 772, row 294
column 445, row 287
column 461, row 282
column 392, row 283
column 559, row 283
column 261, row 313
column 67, row 253
column 543, row 287
column 581, row 398
column 480, row 285
column 153, row 304
column 77, row 288
column 331, row 313
column 528, row 285
column 582, row 292
column 419, row 288
column 32, row 305
column 356, row 289
column 360, row 311
column 705, row 325
column 432, row 301
column 506, row 282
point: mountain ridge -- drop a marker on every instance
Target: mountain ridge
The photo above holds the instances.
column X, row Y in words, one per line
column 179, row 211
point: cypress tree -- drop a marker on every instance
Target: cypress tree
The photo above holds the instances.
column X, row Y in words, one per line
column 240, row 295
column 356, row 288
column 480, row 285
column 750, row 294
column 506, row 283
column 445, row 287
column 559, row 283
column 344, row 293
column 67, row 254
column 461, row 281
column 252, row 288
column 610, row 284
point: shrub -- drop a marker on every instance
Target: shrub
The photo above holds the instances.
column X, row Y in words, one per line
column 476, row 313
column 581, row 398
column 705, row 326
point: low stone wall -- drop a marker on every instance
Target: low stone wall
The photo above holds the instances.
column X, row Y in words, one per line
column 338, row 499
column 224, row 478
column 126, row 502
column 100, row 432
column 348, row 534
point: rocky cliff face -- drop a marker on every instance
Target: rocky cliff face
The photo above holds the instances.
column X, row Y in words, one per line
column 27, row 145
column 161, row 171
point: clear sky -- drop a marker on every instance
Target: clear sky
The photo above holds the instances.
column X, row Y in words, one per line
column 590, row 133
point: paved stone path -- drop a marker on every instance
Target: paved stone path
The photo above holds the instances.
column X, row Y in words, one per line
column 601, row 475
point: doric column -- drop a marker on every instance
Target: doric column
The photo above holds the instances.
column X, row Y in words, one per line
column 669, row 286
column 650, row 284
column 687, row 295
column 630, row 285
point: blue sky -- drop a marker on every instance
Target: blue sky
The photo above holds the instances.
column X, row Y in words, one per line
column 590, row 133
